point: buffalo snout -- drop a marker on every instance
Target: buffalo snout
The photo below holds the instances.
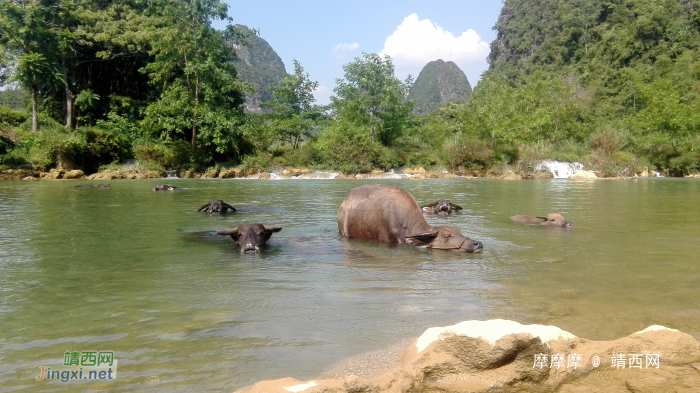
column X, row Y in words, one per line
column 250, row 237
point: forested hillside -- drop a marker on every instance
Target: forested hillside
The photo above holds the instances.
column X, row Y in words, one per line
column 258, row 64
column 612, row 84
column 438, row 82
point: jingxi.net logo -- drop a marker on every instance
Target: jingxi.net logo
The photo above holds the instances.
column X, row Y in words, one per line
column 85, row 365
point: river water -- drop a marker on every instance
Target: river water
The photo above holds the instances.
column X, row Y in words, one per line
column 143, row 274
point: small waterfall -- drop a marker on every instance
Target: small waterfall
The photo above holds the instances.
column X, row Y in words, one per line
column 275, row 176
column 171, row 175
column 559, row 169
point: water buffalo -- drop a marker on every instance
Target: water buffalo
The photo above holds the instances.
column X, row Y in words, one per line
column 166, row 187
column 250, row 237
column 441, row 206
column 92, row 186
column 552, row 219
column 390, row 215
column 217, row 207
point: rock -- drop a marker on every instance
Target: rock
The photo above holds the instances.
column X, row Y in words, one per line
column 505, row 356
column 289, row 172
column 583, row 175
column 74, row 174
column 54, row 174
column 693, row 176
column 17, row 174
column 187, row 175
column 264, row 176
column 414, row 171
column 30, row 178
column 229, row 173
column 510, row 175
column 211, row 173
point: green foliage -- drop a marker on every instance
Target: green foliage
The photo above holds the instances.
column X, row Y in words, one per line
column 346, row 148
column 175, row 155
column 88, row 148
column 294, row 115
column 371, row 97
column 12, row 117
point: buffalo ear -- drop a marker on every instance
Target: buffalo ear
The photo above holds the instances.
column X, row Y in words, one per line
column 203, row 207
column 543, row 218
column 456, row 207
column 272, row 229
column 425, row 237
column 429, row 205
column 229, row 206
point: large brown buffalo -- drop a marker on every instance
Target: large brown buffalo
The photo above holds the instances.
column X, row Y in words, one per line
column 552, row 219
column 390, row 215
column 250, row 237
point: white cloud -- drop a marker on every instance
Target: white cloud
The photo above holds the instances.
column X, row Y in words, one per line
column 346, row 47
column 416, row 42
column 322, row 95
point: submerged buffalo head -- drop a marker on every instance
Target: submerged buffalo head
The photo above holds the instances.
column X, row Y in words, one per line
column 165, row 187
column 445, row 238
column 556, row 220
column 441, row 206
column 552, row 219
column 250, row 237
column 217, row 207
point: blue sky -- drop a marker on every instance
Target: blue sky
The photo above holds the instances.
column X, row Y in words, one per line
column 325, row 35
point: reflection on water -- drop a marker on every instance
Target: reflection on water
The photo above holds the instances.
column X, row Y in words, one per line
column 143, row 274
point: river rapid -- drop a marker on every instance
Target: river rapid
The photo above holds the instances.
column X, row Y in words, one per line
column 144, row 275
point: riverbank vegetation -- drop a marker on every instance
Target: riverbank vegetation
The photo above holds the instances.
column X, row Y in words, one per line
column 612, row 84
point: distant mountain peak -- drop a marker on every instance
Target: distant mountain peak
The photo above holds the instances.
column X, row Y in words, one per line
column 260, row 65
column 438, row 82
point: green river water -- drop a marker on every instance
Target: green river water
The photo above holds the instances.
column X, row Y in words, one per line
column 142, row 274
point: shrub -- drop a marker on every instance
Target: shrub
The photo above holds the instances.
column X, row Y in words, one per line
column 348, row 149
column 88, row 148
column 468, row 153
column 607, row 141
column 12, row 117
column 173, row 155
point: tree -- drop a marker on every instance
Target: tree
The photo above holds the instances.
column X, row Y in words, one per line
column 370, row 95
column 200, row 93
column 25, row 31
column 292, row 105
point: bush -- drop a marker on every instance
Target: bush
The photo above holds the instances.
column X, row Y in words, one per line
column 88, row 148
column 468, row 153
column 607, row 141
column 687, row 162
column 348, row 149
column 173, row 155
column 12, row 117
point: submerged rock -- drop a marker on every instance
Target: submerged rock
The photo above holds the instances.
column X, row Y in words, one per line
column 505, row 356
column 583, row 175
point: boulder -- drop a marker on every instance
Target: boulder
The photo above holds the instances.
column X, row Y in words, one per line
column 415, row 171
column 510, row 175
column 211, row 173
column 264, row 176
column 54, row 174
column 18, row 174
column 229, row 173
column 30, row 178
column 74, row 174
column 583, row 175
column 505, row 356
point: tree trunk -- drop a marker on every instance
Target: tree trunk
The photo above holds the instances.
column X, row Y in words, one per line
column 35, row 114
column 68, row 99
column 194, row 136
